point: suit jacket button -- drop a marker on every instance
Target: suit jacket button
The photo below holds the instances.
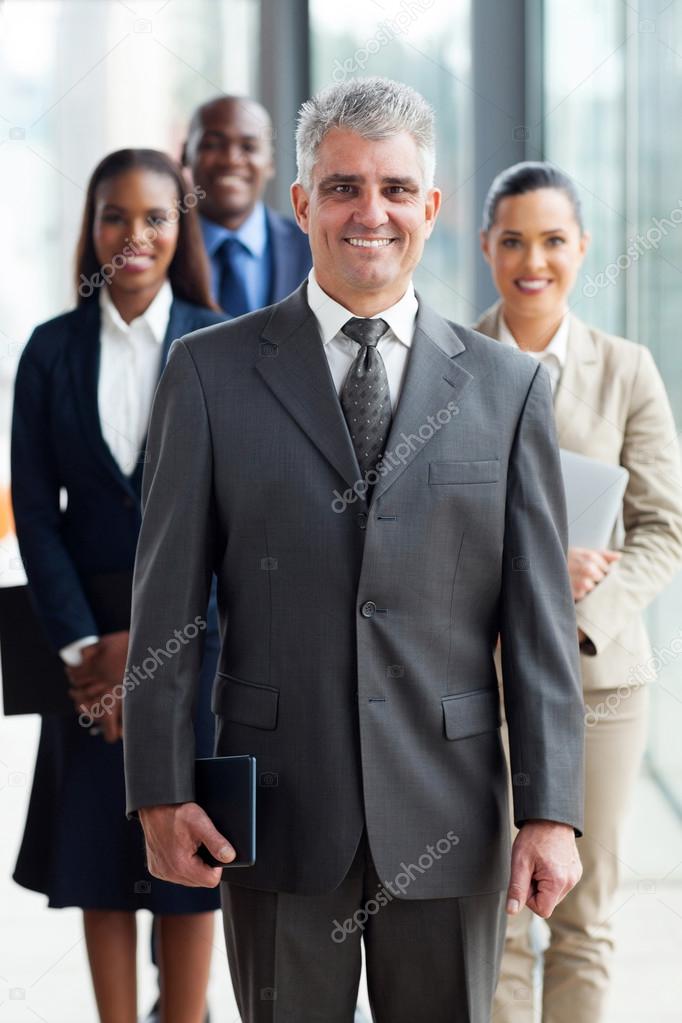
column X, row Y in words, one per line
column 362, row 520
column 128, row 502
column 368, row 609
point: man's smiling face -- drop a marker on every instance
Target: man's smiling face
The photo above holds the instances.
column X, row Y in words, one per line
column 367, row 216
column 229, row 150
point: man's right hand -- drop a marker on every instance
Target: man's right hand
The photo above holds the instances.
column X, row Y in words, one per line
column 173, row 834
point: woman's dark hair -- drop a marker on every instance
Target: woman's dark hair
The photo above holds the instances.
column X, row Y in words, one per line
column 529, row 177
column 189, row 271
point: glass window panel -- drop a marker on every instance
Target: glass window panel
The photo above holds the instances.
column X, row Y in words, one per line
column 79, row 79
column 615, row 133
column 584, row 129
column 657, row 273
column 425, row 43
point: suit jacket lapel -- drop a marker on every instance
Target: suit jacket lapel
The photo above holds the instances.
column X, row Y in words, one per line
column 293, row 364
column 433, row 383
column 577, row 379
column 574, row 390
column 179, row 324
column 84, row 355
column 281, row 283
column 489, row 322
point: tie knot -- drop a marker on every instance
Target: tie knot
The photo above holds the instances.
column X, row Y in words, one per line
column 364, row 330
column 231, row 246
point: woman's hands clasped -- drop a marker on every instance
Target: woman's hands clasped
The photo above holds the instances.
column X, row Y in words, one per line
column 92, row 682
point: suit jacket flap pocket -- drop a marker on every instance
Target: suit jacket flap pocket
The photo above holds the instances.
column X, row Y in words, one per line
column 246, row 703
column 467, row 714
column 486, row 471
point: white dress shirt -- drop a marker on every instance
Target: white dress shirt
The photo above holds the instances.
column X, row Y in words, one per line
column 553, row 357
column 130, row 355
column 341, row 351
column 129, row 364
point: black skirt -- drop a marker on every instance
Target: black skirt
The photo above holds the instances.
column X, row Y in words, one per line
column 78, row 847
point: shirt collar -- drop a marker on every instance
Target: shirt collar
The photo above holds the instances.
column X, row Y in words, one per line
column 558, row 344
column 155, row 316
column 331, row 316
column 253, row 233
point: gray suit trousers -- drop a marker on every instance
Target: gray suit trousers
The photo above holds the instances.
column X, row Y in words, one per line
column 297, row 958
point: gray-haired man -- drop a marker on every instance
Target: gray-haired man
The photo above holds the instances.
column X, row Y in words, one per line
column 379, row 494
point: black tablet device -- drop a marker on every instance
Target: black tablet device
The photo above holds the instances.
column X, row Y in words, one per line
column 225, row 788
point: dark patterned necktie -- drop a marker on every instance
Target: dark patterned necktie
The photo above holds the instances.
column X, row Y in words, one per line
column 365, row 397
column 232, row 287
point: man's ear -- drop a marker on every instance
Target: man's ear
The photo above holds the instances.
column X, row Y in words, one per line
column 432, row 206
column 300, row 204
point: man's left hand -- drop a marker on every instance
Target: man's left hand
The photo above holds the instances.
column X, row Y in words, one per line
column 545, row 866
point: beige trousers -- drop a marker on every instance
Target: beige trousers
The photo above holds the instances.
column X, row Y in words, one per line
column 576, row 967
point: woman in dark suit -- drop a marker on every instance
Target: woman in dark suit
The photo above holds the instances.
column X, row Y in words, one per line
column 83, row 394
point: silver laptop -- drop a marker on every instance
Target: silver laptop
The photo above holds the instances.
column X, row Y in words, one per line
column 594, row 496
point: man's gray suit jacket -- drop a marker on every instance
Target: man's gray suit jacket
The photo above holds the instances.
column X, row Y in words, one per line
column 357, row 642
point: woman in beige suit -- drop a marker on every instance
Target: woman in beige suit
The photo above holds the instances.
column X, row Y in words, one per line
column 610, row 404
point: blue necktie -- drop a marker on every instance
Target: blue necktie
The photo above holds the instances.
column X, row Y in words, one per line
column 232, row 296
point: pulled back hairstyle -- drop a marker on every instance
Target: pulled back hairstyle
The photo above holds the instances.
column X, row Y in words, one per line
column 529, row 176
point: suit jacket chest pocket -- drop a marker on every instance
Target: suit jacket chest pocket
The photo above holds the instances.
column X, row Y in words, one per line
column 448, row 474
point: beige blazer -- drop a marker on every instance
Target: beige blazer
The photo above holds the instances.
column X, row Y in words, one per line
column 611, row 404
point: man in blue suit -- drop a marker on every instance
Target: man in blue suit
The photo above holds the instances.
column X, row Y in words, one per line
column 257, row 256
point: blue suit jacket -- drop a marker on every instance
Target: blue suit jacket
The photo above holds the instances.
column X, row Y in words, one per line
column 291, row 258
column 77, row 514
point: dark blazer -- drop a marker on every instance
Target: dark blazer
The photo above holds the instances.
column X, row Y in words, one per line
column 77, row 514
column 291, row 258
column 357, row 642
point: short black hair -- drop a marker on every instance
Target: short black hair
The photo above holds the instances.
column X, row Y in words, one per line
column 529, row 176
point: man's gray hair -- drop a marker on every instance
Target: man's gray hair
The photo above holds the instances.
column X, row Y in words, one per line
column 375, row 108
